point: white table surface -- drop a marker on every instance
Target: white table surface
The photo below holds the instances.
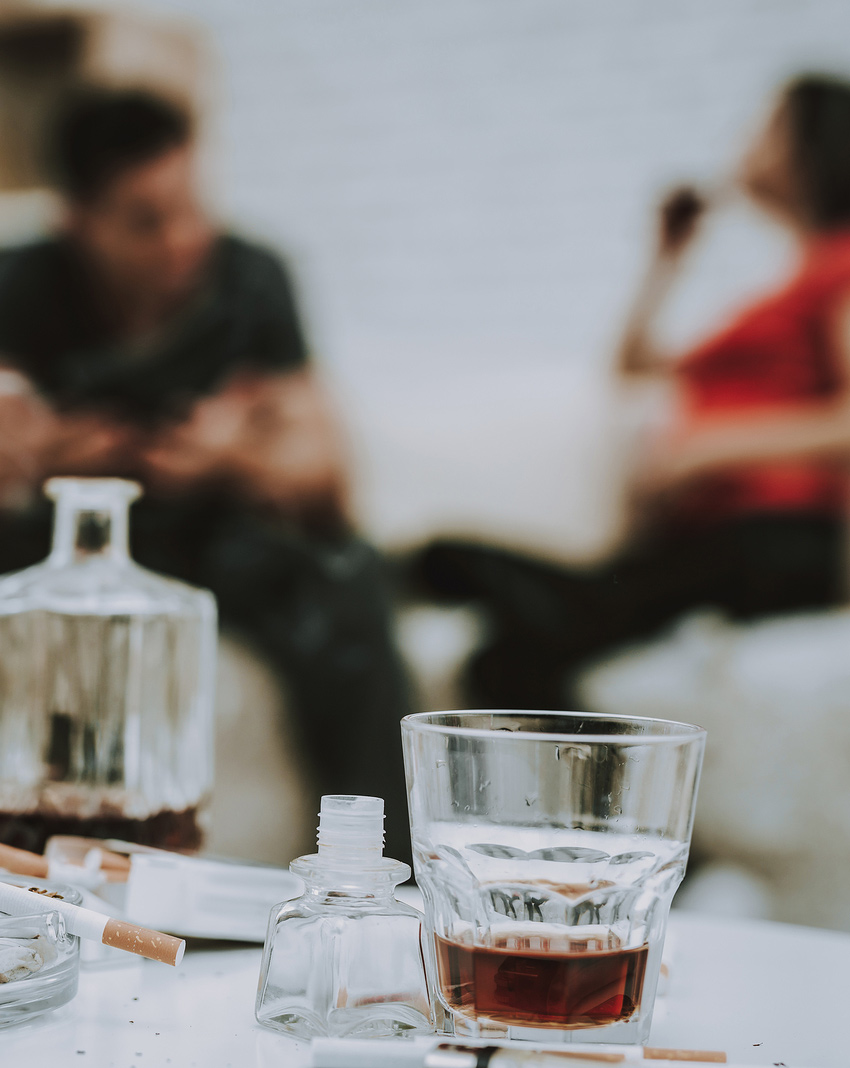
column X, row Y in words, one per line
column 765, row 993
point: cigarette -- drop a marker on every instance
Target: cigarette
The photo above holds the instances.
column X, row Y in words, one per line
column 69, row 847
column 652, row 1053
column 22, row 862
column 699, row 1056
column 114, row 868
column 602, row 1058
column 85, row 923
column 434, row 1052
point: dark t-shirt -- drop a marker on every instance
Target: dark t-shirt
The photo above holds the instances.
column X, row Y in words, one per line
column 54, row 328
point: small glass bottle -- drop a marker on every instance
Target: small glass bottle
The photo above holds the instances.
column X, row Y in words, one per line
column 344, row 959
column 106, row 685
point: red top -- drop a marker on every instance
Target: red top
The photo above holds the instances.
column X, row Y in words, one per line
column 778, row 355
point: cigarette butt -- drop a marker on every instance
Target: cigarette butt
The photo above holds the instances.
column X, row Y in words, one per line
column 604, row 1058
column 22, row 862
column 151, row 944
column 699, row 1056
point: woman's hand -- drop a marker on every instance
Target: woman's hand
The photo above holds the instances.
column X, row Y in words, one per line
column 683, row 456
column 671, row 463
column 649, row 491
column 679, row 218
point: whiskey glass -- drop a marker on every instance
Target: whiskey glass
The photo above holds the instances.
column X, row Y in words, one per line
column 548, row 847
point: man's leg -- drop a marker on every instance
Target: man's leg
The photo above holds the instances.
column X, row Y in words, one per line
column 321, row 613
column 25, row 536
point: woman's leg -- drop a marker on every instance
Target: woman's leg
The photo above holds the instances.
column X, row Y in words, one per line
column 548, row 621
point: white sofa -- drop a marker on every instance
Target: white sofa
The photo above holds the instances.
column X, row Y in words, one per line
column 773, row 815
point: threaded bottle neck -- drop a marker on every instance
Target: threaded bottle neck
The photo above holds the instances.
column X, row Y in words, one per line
column 350, row 858
column 351, row 828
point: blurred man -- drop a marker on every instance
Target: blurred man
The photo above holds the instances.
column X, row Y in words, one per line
column 142, row 342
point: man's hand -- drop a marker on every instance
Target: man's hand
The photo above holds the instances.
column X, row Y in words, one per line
column 202, row 448
column 270, row 439
column 37, row 442
column 87, row 444
column 24, row 428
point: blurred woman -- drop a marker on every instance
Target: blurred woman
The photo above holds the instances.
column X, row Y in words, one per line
column 743, row 508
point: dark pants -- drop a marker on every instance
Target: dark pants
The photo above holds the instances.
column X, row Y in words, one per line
column 319, row 612
column 547, row 622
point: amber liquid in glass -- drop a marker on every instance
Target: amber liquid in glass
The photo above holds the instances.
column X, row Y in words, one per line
column 541, row 987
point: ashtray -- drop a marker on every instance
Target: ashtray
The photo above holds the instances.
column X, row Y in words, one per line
column 39, row 960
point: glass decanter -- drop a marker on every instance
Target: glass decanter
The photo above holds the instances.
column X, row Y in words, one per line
column 106, row 685
column 344, row 959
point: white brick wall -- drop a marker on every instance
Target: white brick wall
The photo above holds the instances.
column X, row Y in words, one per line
column 464, row 188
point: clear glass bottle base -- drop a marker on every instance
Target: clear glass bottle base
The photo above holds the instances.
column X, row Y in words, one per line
column 349, row 1023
